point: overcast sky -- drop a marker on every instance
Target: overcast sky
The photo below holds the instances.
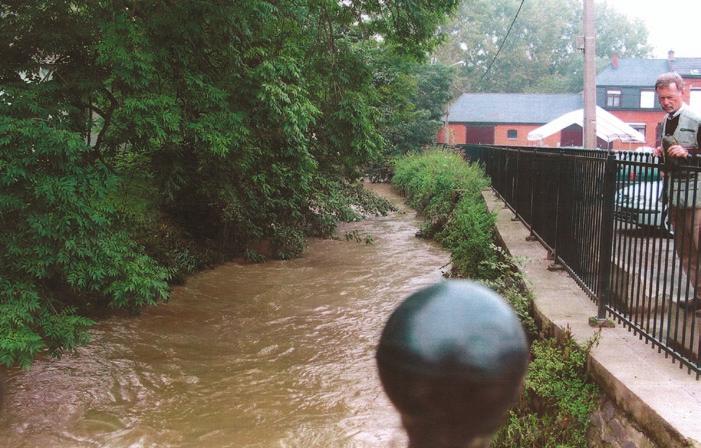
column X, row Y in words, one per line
column 667, row 21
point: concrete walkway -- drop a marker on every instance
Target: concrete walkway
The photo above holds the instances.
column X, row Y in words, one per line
column 662, row 398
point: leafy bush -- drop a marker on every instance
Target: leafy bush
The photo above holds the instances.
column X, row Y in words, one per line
column 136, row 201
column 61, row 246
column 447, row 191
column 340, row 201
column 557, row 400
column 469, row 234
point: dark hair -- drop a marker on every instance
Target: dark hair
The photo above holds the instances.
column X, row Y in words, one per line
column 667, row 79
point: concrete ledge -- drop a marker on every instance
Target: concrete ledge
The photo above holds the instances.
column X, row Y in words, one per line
column 659, row 396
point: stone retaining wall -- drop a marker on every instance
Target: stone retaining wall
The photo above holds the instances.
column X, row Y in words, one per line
column 611, row 428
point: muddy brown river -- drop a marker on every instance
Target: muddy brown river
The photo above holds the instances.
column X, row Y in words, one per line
column 279, row 354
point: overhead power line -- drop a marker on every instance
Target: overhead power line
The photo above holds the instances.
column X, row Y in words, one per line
column 501, row 45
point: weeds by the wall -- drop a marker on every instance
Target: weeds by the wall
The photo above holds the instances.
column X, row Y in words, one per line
column 557, row 401
column 558, row 398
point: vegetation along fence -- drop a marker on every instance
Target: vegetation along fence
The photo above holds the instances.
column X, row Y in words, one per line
column 603, row 217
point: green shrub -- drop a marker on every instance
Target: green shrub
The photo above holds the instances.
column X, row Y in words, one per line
column 137, row 201
column 469, row 235
column 288, row 242
column 340, row 201
column 557, row 401
column 447, row 191
column 63, row 248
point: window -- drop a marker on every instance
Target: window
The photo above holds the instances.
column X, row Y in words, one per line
column 511, row 134
column 647, row 99
column 640, row 127
column 613, row 98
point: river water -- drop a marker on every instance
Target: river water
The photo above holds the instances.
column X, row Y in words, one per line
column 278, row 354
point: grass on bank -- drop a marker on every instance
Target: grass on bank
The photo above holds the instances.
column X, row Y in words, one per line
column 558, row 397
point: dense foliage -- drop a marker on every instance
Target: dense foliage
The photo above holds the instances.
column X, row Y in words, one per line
column 139, row 139
column 413, row 107
column 447, row 191
column 558, row 398
column 541, row 54
column 59, row 244
column 555, row 407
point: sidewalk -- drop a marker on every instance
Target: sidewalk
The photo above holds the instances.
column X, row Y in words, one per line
column 660, row 397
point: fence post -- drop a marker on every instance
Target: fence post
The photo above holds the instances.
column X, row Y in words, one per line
column 554, row 255
column 532, row 175
column 605, row 242
column 451, row 359
column 515, row 184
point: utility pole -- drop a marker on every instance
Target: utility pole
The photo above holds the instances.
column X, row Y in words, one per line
column 589, row 124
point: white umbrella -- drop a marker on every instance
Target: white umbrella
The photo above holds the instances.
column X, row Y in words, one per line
column 608, row 127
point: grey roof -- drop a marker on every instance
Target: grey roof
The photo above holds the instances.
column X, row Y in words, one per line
column 687, row 67
column 633, row 72
column 523, row 108
column 644, row 72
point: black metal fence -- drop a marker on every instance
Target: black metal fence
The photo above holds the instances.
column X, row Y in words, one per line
column 604, row 217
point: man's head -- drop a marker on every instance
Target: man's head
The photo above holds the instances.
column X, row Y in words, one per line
column 669, row 88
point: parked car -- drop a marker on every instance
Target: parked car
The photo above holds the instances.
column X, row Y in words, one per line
column 630, row 173
column 638, row 166
column 640, row 203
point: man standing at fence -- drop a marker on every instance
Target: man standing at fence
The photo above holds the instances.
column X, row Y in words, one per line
column 681, row 140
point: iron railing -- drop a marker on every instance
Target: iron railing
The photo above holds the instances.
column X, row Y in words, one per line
column 602, row 217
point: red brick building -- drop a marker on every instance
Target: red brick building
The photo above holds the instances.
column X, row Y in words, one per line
column 504, row 118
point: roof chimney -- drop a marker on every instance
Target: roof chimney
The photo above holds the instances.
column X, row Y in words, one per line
column 670, row 56
column 614, row 61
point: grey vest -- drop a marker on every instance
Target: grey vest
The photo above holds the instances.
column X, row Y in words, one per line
column 686, row 192
column 687, row 128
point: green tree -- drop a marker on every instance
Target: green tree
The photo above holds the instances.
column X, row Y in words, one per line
column 236, row 122
column 60, row 248
column 411, row 99
column 540, row 54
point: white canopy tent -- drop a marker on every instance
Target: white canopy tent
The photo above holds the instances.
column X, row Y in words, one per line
column 608, row 127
